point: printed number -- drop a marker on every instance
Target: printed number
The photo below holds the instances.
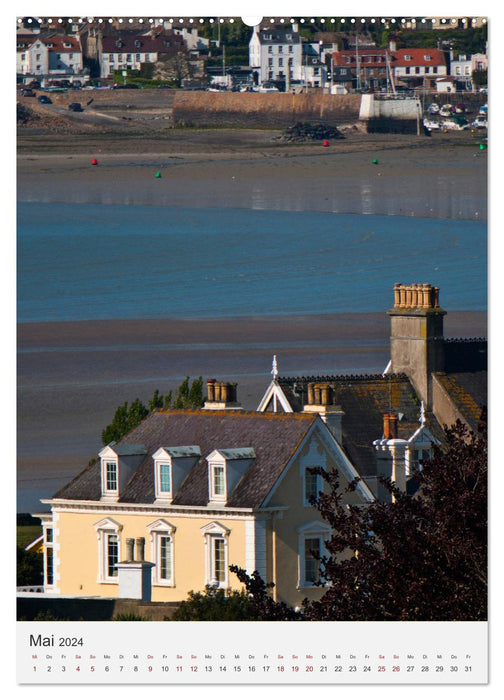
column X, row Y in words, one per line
column 323, row 669
column 352, row 669
column 266, row 668
column 439, row 669
column 410, row 669
column 425, row 669
column 208, row 669
column 194, row 669
column 338, row 669
column 395, row 669
column 165, row 668
column 49, row 669
column 237, row 669
column 366, row 669
column 381, row 669
column 295, row 668
column 467, row 668
column 309, row 669
column 453, row 668
column 71, row 642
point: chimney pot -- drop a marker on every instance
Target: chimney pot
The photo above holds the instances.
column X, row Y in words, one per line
column 386, row 426
column 140, row 544
column 211, row 389
column 130, row 549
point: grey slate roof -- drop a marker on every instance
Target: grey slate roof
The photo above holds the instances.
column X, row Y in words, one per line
column 365, row 399
column 274, row 438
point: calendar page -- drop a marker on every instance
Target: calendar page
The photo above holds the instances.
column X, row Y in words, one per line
column 251, row 250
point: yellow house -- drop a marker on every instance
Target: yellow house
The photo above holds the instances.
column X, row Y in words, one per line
column 185, row 495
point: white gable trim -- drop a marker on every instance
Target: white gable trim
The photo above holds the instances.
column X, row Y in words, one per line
column 344, row 464
column 274, row 392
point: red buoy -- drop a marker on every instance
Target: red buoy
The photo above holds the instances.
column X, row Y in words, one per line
column 326, row 143
column 94, row 162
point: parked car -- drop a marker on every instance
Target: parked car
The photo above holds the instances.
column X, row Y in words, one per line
column 480, row 123
column 446, row 110
column 27, row 92
column 433, row 108
column 460, row 109
column 75, row 107
column 45, row 100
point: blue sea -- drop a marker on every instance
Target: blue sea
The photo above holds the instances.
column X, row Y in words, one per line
column 91, row 262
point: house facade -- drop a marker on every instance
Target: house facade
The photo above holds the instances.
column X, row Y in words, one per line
column 131, row 51
column 276, row 54
column 195, row 492
column 50, row 55
column 371, row 67
column 186, row 494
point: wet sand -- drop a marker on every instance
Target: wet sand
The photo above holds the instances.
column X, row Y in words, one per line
column 441, row 176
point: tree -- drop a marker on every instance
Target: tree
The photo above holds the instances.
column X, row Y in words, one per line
column 421, row 557
column 189, row 395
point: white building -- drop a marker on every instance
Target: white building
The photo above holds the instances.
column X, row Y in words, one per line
column 51, row 55
column 276, row 54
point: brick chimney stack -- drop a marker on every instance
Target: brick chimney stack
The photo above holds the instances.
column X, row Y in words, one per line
column 416, row 337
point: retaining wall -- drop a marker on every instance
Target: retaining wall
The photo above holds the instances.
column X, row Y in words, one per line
column 251, row 109
column 90, row 609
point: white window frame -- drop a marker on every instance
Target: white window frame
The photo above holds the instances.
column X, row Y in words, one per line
column 48, row 550
column 106, row 529
column 212, row 468
column 160, row 494
column 158, row 530
column 308, row 476
column 212, row 533
column 106, row 491
column 310, row 531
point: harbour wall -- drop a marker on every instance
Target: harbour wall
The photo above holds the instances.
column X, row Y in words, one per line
column 252, row 109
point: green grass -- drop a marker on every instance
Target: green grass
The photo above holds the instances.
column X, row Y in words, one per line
column 26, row 534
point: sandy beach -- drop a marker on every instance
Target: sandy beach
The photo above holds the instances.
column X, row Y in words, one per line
column 440, row 176
column 72, row 376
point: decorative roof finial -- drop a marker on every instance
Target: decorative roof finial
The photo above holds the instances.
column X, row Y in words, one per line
column 422, row 414
column 274, row 370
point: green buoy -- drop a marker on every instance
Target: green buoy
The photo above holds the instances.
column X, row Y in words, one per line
column 157, row 175
column 482, row 146
column 375, row 161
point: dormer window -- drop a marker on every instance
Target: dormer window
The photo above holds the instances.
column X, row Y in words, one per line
column 225, row 470
column 217, row 482
column 427, row 57
column 118, row 464
column 111, row 483
column 171, row 466
column 407, row 57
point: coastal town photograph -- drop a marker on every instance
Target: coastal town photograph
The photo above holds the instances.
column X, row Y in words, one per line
column 252, row 318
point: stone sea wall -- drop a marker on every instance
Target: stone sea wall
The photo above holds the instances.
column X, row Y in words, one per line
column 253, row 109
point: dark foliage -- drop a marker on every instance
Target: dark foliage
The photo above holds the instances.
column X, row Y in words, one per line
column 189, row 395
column 421, row 557
column 29, row 570
column 215, row 604
column 262, row 604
